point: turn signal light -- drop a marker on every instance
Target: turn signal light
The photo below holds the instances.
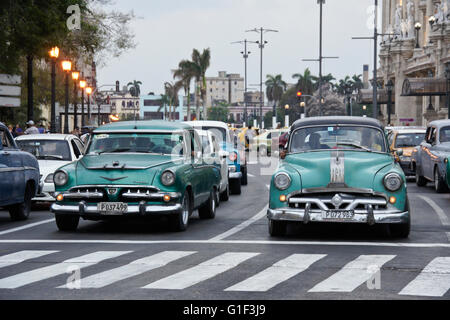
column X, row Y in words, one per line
column 60, row 197
column 282, row 198
column 392, row 200
column 166, row 198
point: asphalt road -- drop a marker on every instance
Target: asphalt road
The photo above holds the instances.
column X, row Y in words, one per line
column 230, row 257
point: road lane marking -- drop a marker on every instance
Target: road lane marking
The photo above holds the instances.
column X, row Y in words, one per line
column 250, row 175
column 241, row 226
column 21, row 256
column 442, row 216
column 277, row 273
column 202, row 272
column 233, row 242
column 433, row 281
column 31, row 225
column 132, row 269
column 44, row 273
column 353, row 274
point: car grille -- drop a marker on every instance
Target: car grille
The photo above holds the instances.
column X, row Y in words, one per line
column 337, row 201
column 136, row 194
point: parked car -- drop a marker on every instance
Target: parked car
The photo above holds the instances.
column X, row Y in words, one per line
column 430, row 160
column 19, row 177
column 213, row 154
column 263, row 142
column 52, row 151
column 138, row 169
column 405, row 139
column 237, row 162
column 338, row 170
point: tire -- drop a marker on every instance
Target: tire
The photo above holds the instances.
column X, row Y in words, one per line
column 67, row 222
column 244, row 180
column 180, row 221
column 277, row 228
column 225, row 196
column 420, row 180
column 400, row 230
column 235, row 186
column 439, row 183
column 208, row 210
column 21, row 211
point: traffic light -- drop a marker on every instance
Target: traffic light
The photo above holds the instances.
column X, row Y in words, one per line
column 299, row 94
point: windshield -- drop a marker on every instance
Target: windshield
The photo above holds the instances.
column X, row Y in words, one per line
column 444, row 136
column 47, row 149
column 338, row 137
column 409, row 139
column 159, row 143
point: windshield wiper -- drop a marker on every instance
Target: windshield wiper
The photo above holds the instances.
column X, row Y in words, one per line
column 354, row 145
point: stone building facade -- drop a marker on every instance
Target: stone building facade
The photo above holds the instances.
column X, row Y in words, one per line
column 415, row 48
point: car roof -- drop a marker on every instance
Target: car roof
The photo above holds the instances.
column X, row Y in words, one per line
column 207, row 123
column 417, row 130
column 440, row 123
column 150, row 125
column 334, row 120
column 45, row 136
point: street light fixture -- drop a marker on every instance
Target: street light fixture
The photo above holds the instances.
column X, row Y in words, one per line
column 432, row 20
column 417, row 26
column 54, row 53
column 88, row 92
column 67, row 67
column 389, row 87
column 75, row 76
column 82, row 87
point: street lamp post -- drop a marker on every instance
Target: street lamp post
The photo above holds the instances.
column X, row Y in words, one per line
column 66, row 66
column 54, row 53
column 75, row 76
column 88, row 92
column 417, row 26
column 82, row 86
column 430, row 105
column 286, row 116
column 349, row 91
column 447, row 77
column 389, row 87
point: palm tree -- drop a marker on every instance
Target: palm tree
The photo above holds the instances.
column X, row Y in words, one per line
column 184, row 74
column 357, row 82
column 171, row 91
column 306, row 81
column 275, row 87
column 135, row 88
column 201, row 62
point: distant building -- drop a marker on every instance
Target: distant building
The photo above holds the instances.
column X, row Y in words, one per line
column 152, row 108
column 227, row 88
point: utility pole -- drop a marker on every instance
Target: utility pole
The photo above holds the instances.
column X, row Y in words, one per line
column 245, row 54
column 321, row 57
column 262, row 44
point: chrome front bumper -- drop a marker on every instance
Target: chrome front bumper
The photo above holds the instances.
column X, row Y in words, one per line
column 235, row 175
column 360, row 216
column 46, row 192
column 85, row 210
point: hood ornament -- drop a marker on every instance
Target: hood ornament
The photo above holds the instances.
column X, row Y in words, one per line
column 337, row 201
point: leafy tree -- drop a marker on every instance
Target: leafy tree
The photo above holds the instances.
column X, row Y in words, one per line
column 201, row 62
column 185, row 73
column 135, row 88
column 306, row 82
column 218, row 113
column 171, row 91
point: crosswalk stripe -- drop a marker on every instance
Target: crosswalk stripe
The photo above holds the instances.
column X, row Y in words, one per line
column 21, row 256
column 202, row 272
column 277, row 273
column 32, row 276
column 353, row 274
column 433, row 281
column 132, row 269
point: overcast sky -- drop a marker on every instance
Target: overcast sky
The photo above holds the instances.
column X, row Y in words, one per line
column 167, row 31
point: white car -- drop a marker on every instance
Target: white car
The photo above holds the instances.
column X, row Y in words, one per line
column 52, row 152
column 213, row 154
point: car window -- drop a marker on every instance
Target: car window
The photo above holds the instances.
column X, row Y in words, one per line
column 338, row 137
column 432, row 135
column 6, row 139
column 80, row 145
column 405, row 140
column 47, row 149
column 76, row 151
column 444, row 135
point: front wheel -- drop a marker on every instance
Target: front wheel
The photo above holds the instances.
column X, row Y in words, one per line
column 400, row 230
column 277, row 228
column 224, row 196
column 21, row 211
column 180, row 221
column 67, row 222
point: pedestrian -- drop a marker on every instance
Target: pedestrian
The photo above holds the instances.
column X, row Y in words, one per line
column 76, row 132
column 18, row 130
column 41, row 128
column 11, row 130
column 31, row 128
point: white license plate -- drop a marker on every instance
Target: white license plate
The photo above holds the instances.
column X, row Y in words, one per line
column 340, row 215
column 112, row 208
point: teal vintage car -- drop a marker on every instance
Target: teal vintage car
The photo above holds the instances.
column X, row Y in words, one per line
column 338, row 169
column 138, row 169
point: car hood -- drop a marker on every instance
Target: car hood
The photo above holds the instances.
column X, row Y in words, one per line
column 123, row 169
column 50, row 166
column 354, row 169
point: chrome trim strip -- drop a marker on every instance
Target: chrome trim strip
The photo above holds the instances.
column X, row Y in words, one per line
column 81, row 195
column 133, row 209
column 235, row 175
column 114, row 186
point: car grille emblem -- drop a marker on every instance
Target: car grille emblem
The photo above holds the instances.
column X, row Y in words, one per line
column 336, row 201
column 112, row 191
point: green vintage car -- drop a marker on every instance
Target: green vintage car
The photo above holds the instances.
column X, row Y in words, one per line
column 138, row 169
column 338, row 169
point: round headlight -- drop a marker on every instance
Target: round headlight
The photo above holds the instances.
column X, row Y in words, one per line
column 168, row 178
column 282, row 181
column 60, row 178
column 393, row 181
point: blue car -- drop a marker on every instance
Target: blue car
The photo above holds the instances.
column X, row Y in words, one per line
column 237, row 163
column 19, row 177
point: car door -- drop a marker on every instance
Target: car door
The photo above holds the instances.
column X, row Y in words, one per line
column 76, row 151
column 197, row 176
column 80, row 145
column 11, row 168
column 221, row 159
